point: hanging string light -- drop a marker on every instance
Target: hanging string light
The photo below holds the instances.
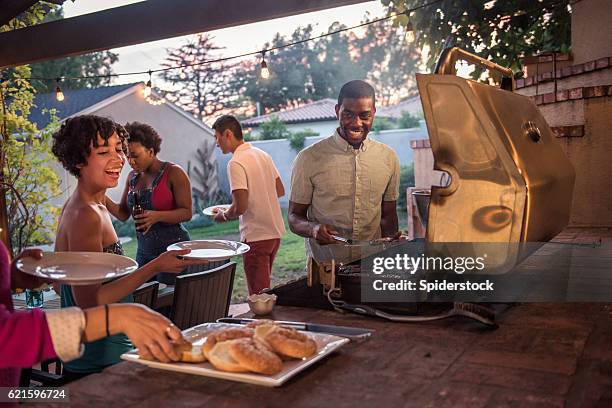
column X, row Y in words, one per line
column 410, row 36
column 265, row 72
column 147, row 89
column 155, row 101
column 59, row 95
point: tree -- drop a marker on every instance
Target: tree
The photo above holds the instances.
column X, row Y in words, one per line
column 27, row 180
column 501, row 31
column 316, row 69
column 389, row 59
column 97, row 63
column 289, row 83
column 205, row 88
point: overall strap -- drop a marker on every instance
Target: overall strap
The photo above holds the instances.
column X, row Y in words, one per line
column 159, row 175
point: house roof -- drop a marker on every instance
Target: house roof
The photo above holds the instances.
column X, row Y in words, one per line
column 75, row 101
column 312, row 112
column 411, row 105
column 324, row 109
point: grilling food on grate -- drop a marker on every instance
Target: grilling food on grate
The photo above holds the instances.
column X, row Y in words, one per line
column 225, row 335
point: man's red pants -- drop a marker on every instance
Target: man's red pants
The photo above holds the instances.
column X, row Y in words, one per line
column 258, row 263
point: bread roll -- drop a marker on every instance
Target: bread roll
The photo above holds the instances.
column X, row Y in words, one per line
column 221, row 359
column 225, row 335
column 189, row 353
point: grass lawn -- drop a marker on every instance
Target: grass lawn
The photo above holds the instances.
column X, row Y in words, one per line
column 290, row 262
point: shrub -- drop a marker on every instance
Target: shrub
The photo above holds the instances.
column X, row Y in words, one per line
column 407, row 120
column 274, row 129
column 382, row 124
column 297, row 139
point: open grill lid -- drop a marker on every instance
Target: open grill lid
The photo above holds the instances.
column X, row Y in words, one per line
column 510, row 181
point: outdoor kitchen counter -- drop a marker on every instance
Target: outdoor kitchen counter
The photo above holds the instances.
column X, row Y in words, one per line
column 542, row 354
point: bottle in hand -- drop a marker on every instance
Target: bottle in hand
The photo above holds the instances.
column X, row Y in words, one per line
column 137, row 208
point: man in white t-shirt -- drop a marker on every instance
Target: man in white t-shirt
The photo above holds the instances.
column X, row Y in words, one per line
column 256, row 186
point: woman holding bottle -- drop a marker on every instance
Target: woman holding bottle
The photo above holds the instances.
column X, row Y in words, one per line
column 157, row 194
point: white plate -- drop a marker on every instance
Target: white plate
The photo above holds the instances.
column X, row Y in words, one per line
column 78, row 268
column 211, row 249
column 212, row 210
column 326, row 344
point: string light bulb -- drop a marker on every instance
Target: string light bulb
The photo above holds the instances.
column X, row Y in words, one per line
column 147, row 90
column 59, row 95
column 410, row 37
column 265, row 72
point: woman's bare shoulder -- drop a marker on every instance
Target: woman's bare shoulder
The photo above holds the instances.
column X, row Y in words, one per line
column 81, row 214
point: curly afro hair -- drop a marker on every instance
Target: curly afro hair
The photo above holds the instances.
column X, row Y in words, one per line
column 73, row 141
column 145, row 135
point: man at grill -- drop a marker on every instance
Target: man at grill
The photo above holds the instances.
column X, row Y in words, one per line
column 345, row 185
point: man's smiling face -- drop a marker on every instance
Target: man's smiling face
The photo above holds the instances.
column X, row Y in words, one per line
column 356, row 117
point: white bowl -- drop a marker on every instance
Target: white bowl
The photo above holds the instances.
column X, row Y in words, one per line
column 261, row 304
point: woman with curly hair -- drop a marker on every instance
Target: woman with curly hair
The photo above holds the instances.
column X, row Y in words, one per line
column 92, row 148
column 161, row 189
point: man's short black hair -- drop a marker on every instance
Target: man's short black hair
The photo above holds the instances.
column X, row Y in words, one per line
column 355, row 90
column 228, row 122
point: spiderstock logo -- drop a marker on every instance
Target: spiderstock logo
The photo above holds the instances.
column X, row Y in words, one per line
column 412, row 264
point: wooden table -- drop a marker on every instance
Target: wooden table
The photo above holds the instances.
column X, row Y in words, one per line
column 542, row 355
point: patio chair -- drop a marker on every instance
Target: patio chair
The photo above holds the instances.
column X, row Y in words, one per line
column 146, row 294
column 202, row 296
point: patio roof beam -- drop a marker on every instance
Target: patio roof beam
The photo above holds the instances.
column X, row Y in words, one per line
column 9, row 9
column 143, row 22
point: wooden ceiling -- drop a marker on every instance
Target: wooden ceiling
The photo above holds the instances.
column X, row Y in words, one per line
column 137, row 23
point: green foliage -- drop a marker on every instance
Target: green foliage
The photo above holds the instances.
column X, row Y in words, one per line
column 406, row 180
column 28, row 177
column 501, row 31
column 34, row 15
column 381, row 123
column 408, row 121
column 274, row 129
column 297, row 139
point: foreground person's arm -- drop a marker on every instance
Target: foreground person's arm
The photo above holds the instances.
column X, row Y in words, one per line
column 90, row 239
column 148, row 330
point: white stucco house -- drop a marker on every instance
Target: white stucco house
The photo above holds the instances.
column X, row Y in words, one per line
column 181, row 132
